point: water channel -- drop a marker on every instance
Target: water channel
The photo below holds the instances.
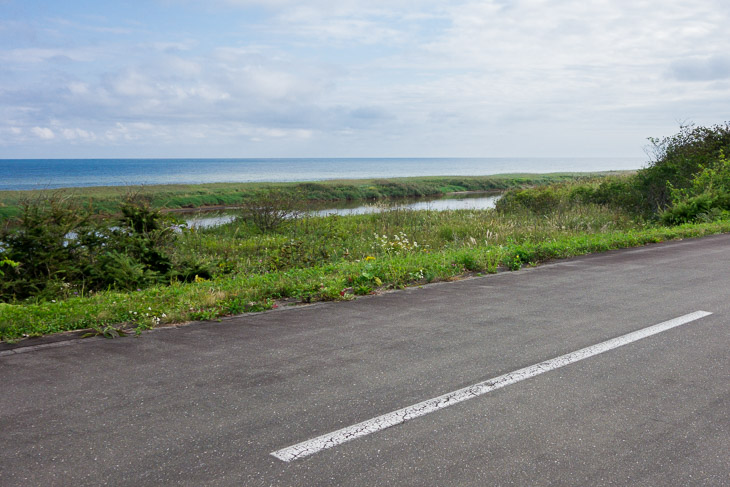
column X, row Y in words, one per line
column 453, row 201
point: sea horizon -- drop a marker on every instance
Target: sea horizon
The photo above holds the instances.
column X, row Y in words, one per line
column 30, row 174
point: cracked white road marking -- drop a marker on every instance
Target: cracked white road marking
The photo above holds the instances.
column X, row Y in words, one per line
column 310, row 447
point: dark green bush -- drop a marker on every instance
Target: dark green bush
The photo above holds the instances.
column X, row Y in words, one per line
column 707, row 197
column 619, row 192
column 56, row 249
column 688, row 209
column 42, row 246
column 678, row 159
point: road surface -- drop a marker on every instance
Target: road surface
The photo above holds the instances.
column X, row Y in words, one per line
column 218, row 403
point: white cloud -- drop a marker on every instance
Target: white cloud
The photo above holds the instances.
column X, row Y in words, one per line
column 356, row 30
column 174, row 46
column 78, row 88
column 135, row 131
column 178, row 66
column 43, row 132
column 261, row 133
column 396, row 77
column 68, row 24
column 77, row 133
column 134, row 84
column 337, row 7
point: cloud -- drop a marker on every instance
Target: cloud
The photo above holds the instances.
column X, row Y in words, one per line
column 35, row 55
column 258, row 134
column 172, row 47
column 68, row 24
column 132, row 83
column 181, row 67
column 365, row 32
column 349, row 22
column 337, row 7
column 43, row 132
column 711, row 68
column 395, row 77
column 371, row 113
column 78, row 134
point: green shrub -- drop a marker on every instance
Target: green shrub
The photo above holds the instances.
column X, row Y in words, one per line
column 540, row 200
column 687, row 209
column 620, row 192
column 468, row 261
column 706, row 198
column 678, row 159
column 55, row 249
column 272, row 208
column 40, row 243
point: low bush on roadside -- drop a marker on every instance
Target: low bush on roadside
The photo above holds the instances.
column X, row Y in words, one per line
column 707, row 197
column 678, row 160
column 56, row 249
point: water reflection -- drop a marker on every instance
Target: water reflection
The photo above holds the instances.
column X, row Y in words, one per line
column 470, row 201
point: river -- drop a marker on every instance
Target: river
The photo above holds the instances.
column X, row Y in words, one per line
column 453, row 201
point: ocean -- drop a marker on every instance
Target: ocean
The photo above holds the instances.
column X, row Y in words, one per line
column 24, row 174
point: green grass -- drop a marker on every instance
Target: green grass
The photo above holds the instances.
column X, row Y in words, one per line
column 106, row 199
column 339, row 257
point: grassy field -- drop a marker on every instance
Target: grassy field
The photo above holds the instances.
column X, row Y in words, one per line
column 337, row 258
column 106, row 199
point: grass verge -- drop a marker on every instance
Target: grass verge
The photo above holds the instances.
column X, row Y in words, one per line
column 393, row 266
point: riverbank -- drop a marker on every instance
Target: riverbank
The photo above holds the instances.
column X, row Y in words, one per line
column 349, row 206
column 107, row 199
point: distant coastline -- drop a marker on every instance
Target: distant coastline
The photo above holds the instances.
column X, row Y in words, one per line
column 34, row 174
column 106, row 199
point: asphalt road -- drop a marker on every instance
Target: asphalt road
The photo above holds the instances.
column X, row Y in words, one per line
column 208, row 403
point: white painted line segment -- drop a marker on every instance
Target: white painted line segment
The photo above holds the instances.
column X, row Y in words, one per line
column 329, row 440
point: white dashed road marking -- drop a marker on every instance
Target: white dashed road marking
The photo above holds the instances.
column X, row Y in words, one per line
column 329, row 440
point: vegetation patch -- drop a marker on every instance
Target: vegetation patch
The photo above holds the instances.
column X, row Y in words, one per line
column 109, row 199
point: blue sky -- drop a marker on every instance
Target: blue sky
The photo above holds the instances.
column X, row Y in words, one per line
column 357, row 78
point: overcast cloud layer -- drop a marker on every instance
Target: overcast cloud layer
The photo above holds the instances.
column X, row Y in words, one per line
column 349, row 78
